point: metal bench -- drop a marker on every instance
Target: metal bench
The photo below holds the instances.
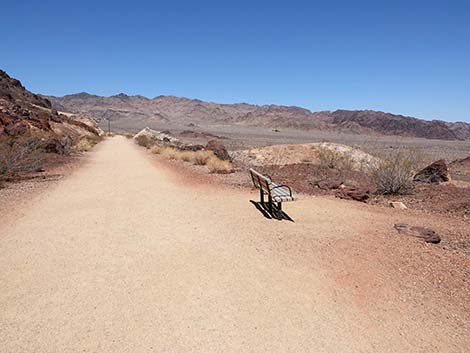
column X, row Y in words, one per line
column 276, row 193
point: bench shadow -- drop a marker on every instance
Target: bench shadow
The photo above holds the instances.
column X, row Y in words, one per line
column 276, row 214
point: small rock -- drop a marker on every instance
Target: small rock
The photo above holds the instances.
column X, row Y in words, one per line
column 397, row 204
column 429, row 235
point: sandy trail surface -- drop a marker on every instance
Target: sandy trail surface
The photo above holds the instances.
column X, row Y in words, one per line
column 127, row 256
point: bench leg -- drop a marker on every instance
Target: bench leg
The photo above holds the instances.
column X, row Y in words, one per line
column 261, row 196
column 270, row 205
column 279, row 206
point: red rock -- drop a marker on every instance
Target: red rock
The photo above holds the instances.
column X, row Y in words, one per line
column 219, row 150
column 434, row 173
column 352, row 193
column 329, row 184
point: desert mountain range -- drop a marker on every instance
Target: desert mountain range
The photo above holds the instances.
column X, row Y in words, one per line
column 144, row 111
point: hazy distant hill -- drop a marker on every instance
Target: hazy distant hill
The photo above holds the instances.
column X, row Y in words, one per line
column 184, row 111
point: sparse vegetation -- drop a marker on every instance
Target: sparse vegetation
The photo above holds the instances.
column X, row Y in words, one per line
column 157, row 149
column 145, row 141
column 21, row 155
column 203, row 157
column 216, row 165
column 393, row 174
column 331, row 158
column 86, row 143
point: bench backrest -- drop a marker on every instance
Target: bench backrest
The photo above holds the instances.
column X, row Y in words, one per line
column 261, row 181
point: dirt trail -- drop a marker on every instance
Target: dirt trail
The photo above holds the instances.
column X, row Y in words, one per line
column 124, row 257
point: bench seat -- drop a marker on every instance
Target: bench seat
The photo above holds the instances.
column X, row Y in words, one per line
column 279, row 194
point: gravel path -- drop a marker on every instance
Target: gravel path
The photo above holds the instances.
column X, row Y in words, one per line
column 122, row 256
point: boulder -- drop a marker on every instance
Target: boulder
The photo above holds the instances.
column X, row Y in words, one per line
column 434, row 173
column 429, row 235
column 329, row 184
column 353, row 193
column 219, row 150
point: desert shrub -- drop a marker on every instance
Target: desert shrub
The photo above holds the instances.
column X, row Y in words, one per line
column 145, row 141
column 331, row 158
column 216, row 165
column 127, row 135
column 393, row 174
column 21, row 155
column 86, row 143
column 201, row 157
column 186, row 156
column 170, row 153
column 157, row 149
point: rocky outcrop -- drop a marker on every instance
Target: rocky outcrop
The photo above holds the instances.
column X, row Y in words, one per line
column 22, row 111
column 429, row 235
column 219, row 150
column 434, row 173
column 157, row 137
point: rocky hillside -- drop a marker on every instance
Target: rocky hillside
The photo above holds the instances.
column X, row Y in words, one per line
column 139, row 111
column 22, row 111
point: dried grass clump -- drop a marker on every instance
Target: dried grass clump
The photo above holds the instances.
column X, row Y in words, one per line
column 218, row 166
column 20, row 155
column 201, row 157
column 170, row 153
column 87, row 143
column 331, row 158
column 144, row 141
column 393, row 174
column 208, row 158
column 157, row 149
column 185, row 156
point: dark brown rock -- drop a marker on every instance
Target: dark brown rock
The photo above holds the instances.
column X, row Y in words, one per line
column 219, row 150
column 193, row 148
column 16, row 129
column 352, row 193
column 54, row 145
column 329, row 184
column 434, row 173
column 429, row 235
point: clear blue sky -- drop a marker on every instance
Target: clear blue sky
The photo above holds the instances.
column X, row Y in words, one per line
column 407, row 57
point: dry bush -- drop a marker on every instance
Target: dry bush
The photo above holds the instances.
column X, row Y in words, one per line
column 201, row 157
column 331, row 158
column 157, row 149
column 170, row 153
column 21, row 155
column 216, row 165
column 393, row 175
column 145, row 141
column 86, row 143
column 328, row 157
column 126, row 135
column 186, row 156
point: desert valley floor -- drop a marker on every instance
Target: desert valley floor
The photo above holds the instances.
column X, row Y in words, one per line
column 126, row 254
